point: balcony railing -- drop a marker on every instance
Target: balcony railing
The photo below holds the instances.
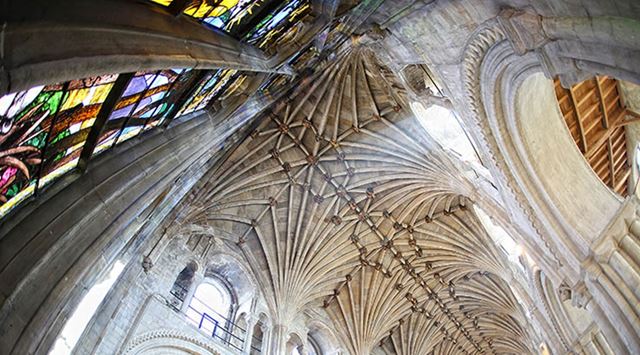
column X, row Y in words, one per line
column 213, row 323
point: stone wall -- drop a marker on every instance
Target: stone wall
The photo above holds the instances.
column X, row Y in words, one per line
column 483, row 55
column 79, row 227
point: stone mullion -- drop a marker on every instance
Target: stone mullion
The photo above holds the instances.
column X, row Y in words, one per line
column 109, row 104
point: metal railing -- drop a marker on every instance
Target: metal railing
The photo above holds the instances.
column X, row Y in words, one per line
column 213, row 323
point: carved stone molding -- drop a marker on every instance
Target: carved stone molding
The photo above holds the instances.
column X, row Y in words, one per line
column 485, row 38
column 578, row 294
column 166, row 336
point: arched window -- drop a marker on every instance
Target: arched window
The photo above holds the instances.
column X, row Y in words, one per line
column 294, row 345
column 182, row 285
column 258, row 335
column 239, row 331
column 443, row 126
column 509, row 246
column 314, row 346
column 210, row 306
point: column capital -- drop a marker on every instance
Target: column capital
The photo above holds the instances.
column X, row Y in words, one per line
column 523, row 29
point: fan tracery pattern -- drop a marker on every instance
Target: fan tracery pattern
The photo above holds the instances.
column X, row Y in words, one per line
column 339, row 199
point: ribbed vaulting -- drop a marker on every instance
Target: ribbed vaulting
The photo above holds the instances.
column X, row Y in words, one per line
column 320, row 177
column 339, row 199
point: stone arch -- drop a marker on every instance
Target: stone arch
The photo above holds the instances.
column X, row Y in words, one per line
column 168, row 340
column 323, row 336
column 259, row 337
column 295, row 342
column 559, row 323
column 240, row 329
column 182, row 286
column 563, row 204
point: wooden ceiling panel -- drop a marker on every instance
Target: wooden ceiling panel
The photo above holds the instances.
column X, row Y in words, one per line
column 595, row 115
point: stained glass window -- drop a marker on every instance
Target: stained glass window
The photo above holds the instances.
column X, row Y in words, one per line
column 278, row 24
column 210, row 87
column 223, row 14
column 72, row 124
column 42, row 132
column 26, row 117
column 144, row 104
column 259, row 22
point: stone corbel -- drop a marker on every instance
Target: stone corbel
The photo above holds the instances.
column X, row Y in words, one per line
column 578, row 294
column 147, row 264
column 555, row 65
column 564, row 292
column 374, row 35
column 523, row 29
column 428, row 98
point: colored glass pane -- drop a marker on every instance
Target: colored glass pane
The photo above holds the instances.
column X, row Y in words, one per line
column 72, row 125
column 210, row 86
column 144, row 104
column 223, row 14
column 279, row 24
column 163, row 2
column 263, row 23
column 228, row 15
column 25, row 119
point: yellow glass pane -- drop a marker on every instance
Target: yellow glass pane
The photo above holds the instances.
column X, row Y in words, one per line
column 89, row 96
column 163, row 2
column 198, row 11
column 223, row 6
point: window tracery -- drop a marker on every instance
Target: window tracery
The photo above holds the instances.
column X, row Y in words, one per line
column 45, row 132
column 259, row 22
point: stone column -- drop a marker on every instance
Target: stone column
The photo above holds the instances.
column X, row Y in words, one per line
column 197, row 279
column 278, row 339
column 248, row 336
column 612, row 279
column 266, row 340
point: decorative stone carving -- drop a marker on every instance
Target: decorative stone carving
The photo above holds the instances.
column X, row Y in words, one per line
column 523, row 29
column 147, row 263
column 372, row 36
column 565, row 68
column 487, row 37
column 161, row 337
column 565, row 292
column 428, row 98
column 578, row 294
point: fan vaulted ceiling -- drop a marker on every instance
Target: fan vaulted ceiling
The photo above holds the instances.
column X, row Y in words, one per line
column 339, row 200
